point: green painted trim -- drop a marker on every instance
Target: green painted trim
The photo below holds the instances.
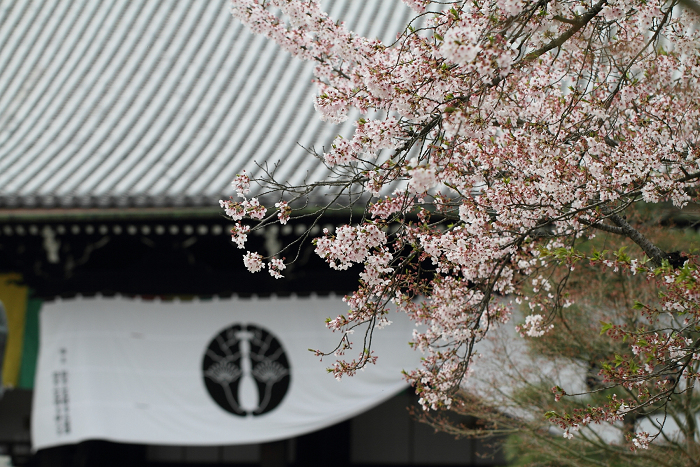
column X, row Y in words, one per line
column 30, row 345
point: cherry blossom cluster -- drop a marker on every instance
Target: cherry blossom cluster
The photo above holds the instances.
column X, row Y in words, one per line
column 349, row 244
column 241, row 184
column 370, row 137
column 275, row 267
column 512, row 128
column 284, row 211
column 534, row 326
column 253, row 261
column 663, row 357
column 399, row 202
column 252, row 209
column 239, row 234
column 613, row 411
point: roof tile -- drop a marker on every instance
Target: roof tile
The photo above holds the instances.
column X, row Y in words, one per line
column 154, row 103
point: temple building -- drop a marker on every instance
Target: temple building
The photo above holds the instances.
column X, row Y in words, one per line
column 121, row 126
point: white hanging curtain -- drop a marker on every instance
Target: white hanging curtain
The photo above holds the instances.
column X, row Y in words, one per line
column 202, row 372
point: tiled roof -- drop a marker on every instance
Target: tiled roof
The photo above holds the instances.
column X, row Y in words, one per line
column 144, row 103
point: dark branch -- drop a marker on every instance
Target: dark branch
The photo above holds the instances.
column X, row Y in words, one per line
column 655, row 254
column 578, row 24
column 605, row 227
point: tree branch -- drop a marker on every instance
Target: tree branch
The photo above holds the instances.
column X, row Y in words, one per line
column 578, row 24
column 605, row 227
column 655, row 254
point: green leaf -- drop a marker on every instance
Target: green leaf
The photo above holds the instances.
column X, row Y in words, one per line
column 618, row 360
column 598, row 255
column 621, row 255
column 606, row 327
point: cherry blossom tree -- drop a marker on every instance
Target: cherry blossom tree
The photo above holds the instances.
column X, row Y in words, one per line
column 496, row 138
column 511, row 386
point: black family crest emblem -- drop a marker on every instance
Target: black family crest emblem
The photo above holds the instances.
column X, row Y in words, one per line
column 246, row 370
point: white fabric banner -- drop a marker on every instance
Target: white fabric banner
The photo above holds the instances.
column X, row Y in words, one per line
column 202, row 372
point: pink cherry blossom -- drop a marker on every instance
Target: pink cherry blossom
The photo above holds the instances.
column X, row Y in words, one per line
column 275, row 267
column 239, row 234
column 241, row 184
column 495, row 138
column 253, row 261
column 284, row 212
